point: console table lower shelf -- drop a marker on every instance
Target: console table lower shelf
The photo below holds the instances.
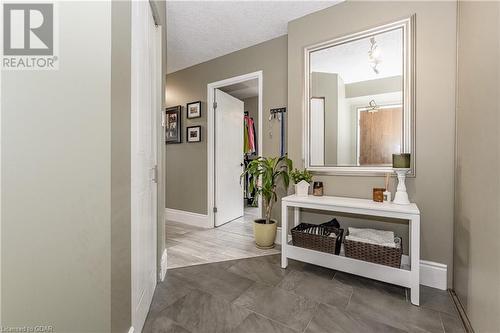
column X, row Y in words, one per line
column 407, row 276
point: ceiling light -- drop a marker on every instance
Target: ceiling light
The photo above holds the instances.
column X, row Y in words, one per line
column 374, row 55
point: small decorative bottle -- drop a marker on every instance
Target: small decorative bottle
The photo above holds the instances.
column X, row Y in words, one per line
column 387, row 194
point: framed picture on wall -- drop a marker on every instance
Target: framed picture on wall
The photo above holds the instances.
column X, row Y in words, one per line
column 193, row 134
column 193, row 110
column 173, row 125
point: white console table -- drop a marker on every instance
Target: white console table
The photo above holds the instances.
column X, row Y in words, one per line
column 406, row 277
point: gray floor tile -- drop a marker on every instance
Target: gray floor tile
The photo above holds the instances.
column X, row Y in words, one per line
column 438, row 300
column 200, row 312
column 372, row 287
column 289, row 309
column 164, row 325
column 255, row 323
column 201, row 296
column 394, row 312
column 214, row 279
column 261, row 269
column 452, row 323
column 167, row 292
column 331, row 319
column 319, row 288
column 317, row 270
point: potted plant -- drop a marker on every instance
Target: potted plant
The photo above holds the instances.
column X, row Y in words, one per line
column 302, row 180
column 266, row 172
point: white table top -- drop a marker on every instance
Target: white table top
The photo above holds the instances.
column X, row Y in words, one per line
column 353, row 203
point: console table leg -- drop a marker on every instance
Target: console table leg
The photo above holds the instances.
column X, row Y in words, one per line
column 284, row 235
column 296, row 216
column 415, row 259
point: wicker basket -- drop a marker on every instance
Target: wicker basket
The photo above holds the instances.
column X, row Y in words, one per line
column 302, row 237
column 383, row 255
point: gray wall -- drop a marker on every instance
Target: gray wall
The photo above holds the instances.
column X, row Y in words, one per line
column 477, row 202
column 432, row 189
column 66, row 259
column 56, row 176
column 120, row 167
column 186, row 166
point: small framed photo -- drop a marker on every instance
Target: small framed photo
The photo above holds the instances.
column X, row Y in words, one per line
column 193, row 110
column 193, row 134
column 173, row 125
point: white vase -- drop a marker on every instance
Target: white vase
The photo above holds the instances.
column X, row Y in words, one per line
column 401, row 197
column 302, row 188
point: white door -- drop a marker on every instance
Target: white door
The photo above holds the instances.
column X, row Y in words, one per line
column 145, row 101
column 228, row 157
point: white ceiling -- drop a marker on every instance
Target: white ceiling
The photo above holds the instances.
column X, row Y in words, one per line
column 351, row 61
column 198, row 31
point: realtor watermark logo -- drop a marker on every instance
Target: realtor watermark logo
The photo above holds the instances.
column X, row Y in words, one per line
column 30, row 36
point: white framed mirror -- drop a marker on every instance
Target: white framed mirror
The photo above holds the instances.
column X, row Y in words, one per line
column 359, row 101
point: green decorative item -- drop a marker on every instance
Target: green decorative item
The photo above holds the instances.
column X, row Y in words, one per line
column 302, row 180
column 299, row 175
column 266, row 172
column 401, row 161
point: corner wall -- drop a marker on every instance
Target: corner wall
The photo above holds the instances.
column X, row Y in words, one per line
column 432, row 189
column 477, row 200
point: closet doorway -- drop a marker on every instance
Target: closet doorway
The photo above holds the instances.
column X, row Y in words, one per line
column 234, row 138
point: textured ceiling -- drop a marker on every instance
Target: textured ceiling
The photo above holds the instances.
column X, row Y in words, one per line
column 198, row 31
column 351, row 61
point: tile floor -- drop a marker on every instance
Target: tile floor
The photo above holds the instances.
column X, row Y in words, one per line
column 189, row 245
column 255, row 295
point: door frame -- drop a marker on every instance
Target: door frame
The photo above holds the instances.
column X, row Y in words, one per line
column 211, row 135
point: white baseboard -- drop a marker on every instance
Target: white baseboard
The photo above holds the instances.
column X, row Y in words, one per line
column 163, row 265
column 195, row 219
column 432, row 274
column 131, row 330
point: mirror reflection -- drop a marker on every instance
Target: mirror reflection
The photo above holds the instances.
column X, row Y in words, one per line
column 356, row 101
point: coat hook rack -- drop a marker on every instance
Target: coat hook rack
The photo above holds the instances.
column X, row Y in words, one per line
column 280, row 114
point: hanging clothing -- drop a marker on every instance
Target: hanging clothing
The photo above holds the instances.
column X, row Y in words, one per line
column 245, row 138
column 249, row 143
column 251, row 135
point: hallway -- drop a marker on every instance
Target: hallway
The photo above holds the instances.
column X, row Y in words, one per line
column 188, row 245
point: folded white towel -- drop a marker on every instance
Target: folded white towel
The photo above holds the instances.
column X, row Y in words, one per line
column 372, row 236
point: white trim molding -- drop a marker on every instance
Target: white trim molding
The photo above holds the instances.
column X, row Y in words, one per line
column 182, row 216
column 131, row 329
column 432, row 274
column 163, row 265
column 211, row 134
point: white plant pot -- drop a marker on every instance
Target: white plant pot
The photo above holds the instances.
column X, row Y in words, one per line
column 302, row 188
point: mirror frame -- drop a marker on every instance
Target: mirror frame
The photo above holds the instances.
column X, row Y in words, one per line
column 408, row 26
